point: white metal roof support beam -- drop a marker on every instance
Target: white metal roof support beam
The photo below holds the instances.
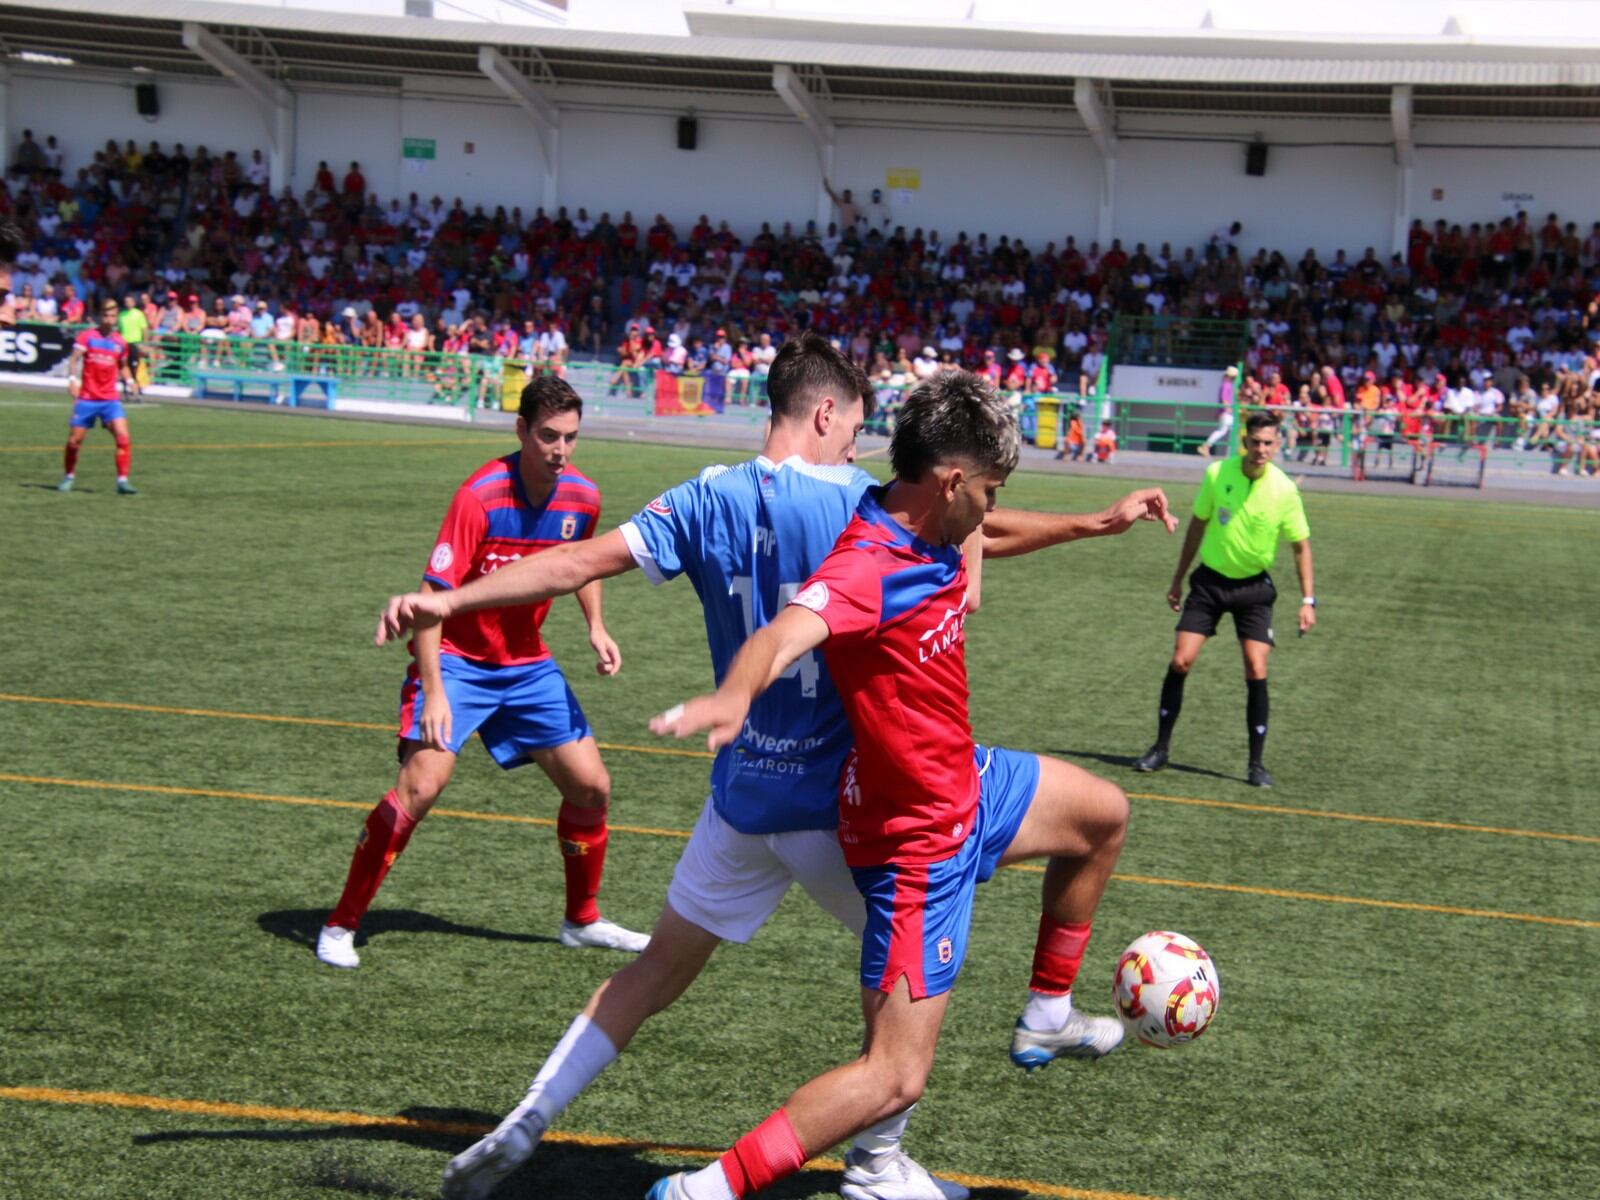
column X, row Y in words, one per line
column 534, row 101
column 1405, row 158
column 813, row 116
column 5, row 119
column 273, row 101
column 1097, row 120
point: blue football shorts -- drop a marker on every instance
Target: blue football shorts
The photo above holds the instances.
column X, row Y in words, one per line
column 516, row 710
column 919, row 914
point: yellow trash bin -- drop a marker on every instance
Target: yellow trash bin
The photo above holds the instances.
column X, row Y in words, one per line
column 1048, row 409
column 513, row 378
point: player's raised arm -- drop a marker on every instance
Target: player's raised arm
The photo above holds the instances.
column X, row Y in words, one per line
column 555, row 572
column 760, row 662
column 1008, row 532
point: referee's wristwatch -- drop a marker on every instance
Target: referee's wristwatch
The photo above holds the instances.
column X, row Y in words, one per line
column 1308, row 601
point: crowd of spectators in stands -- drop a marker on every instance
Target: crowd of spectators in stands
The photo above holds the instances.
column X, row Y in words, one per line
column 201, row 242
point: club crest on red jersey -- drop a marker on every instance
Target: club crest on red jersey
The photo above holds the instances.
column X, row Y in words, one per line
column 569, row 526
column 814, row 597
column 442, row 557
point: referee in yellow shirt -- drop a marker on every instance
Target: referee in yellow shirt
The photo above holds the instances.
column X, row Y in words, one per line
column 1245, row 503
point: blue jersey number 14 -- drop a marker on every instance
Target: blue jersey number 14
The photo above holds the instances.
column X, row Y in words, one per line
column 805, row 668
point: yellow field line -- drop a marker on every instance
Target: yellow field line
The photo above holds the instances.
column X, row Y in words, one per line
column 1331, row 898
column 273, row 718
column 316, row 1116
column 1408, row 822
column 309, row 801
column 332, row 444
column 516, row 819
column 622, row 748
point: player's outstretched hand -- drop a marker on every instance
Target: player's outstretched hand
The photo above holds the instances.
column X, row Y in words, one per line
column 1147, row 504
column 723, row 716
column 414, row 610
column 435, row 721
column 608, row 658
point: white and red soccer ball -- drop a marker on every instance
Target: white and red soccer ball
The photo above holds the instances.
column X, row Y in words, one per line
column 1166, row 989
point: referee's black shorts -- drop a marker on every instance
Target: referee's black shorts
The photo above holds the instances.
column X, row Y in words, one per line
column 1211, row 594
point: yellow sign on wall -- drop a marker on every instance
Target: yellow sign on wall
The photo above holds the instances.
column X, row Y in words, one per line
column 903, row 179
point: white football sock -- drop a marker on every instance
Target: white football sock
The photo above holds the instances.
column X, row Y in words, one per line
column 708, row 1183
column 579, row 1056
column 884, row 1137
column 1045, row 1013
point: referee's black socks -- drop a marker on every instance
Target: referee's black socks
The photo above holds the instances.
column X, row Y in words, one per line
column 1255, row 712
column 1171, row 705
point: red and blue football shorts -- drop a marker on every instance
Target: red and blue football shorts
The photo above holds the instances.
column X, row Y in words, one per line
column 86, row 412
column 919, row 914
column 515, row 709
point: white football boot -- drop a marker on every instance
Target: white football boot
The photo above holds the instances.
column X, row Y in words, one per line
column 473, row 1174
column 604, row 935
column 899, row 1177
column 1080, row 1037
column 336, row 946
column 667, row 1188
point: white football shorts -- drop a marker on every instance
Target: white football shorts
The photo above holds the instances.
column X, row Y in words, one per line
column 729, row 883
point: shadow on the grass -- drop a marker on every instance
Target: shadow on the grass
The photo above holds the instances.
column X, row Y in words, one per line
column 613, row 1172
column 301, row 926
column 1127, row 760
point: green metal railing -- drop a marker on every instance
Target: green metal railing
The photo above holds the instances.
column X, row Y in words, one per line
column 1168, row 340
column 423, row 377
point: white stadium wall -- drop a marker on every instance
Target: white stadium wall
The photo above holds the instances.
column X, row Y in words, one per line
column 1038, row 185
column 1328, row 184
column 84, row 111
column 746, row 168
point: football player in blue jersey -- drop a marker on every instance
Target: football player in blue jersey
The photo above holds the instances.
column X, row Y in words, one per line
column 746, row 536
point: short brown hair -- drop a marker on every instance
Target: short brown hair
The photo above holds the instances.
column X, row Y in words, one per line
column 1260, row 420
column 546, row 396
column 808, row 368
column 954, row 415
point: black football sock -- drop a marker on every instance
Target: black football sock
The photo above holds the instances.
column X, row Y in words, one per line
column 1171, row 705
column 1255, row 711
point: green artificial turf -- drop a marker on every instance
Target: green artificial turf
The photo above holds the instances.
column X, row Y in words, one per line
column 158, row 943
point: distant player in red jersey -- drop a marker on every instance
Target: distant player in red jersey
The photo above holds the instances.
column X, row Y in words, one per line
column 491, row 673
column 924, row 813
column 99, row 359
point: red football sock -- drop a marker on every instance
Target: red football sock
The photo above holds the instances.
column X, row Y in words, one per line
column 124, row 457
column 766, row 1154
column 72, row 458
column 387, row 831
column 582, row 833
column 1057, row 954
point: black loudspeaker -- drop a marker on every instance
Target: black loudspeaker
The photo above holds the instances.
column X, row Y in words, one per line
column 688, row 133
column 1255, row 158
column 145, row 100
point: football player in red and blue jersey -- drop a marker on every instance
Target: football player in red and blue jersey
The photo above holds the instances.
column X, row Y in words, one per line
column 924, row 813
column 491, row 673
column 99, row 359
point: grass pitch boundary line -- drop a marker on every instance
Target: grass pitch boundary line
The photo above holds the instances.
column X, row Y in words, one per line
column 329, row 444
column 677, row 752
column 275, row 719
column 158, row 789
column 107, row 785
column 315, row 1116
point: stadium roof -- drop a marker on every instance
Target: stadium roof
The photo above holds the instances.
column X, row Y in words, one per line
column 732, row 51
